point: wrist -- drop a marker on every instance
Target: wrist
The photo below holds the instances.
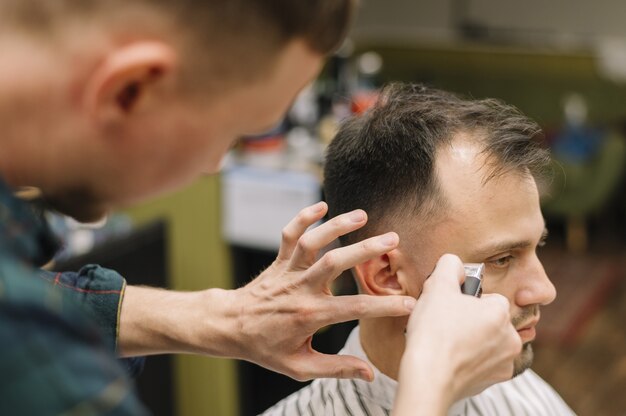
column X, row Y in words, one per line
column 156, row 321
column 426, row 382
column 216, row 324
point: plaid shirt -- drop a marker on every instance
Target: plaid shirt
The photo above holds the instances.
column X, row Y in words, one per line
column 57, row 330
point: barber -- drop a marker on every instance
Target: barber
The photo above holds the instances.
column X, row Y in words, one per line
column 100, row 110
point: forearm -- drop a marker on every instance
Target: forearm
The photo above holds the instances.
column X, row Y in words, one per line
column 157, row 321
column 426, row 403
column 424, row 387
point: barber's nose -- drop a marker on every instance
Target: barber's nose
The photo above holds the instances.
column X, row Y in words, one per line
column 536, row 287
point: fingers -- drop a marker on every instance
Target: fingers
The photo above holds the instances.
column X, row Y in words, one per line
column 497, row 300
column 320, row 365
column 297, row 226
column 499, row 308
column 348, row 308
column 336, row 261
column 448, row 275
column 313, row 241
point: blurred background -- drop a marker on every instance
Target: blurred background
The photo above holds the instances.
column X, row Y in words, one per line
column 561, row 62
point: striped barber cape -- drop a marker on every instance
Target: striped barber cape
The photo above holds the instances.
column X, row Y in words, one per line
column 525, row 395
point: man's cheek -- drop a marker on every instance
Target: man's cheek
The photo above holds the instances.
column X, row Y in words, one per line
column 416, row 290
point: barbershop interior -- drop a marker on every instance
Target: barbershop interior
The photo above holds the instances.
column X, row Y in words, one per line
column 561, row 63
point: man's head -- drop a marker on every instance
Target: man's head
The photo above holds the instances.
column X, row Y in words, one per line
column 449, row 176
column 112, row 101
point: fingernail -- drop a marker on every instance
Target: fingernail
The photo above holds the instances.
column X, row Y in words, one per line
column 364, row 375
column 409, row 304
column 357, row 216
column 318, row 207
column 390, row 239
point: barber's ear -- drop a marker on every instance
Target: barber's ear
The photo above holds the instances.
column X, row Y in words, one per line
column 379, row 276
column 126, row 75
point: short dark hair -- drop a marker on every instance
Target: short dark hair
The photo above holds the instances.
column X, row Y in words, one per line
column 249, row 31
column 383, row 161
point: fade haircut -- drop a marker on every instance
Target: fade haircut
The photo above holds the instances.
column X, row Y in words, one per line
column 242, row 36
column 383, row 161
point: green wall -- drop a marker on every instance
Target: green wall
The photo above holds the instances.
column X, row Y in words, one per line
column 198, row 258
column 535, row 80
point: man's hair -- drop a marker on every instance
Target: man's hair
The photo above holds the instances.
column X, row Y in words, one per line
column 383, row 161
column 241, row 29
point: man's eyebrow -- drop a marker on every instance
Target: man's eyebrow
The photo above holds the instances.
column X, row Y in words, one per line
column 501, row 246
column 507, row 245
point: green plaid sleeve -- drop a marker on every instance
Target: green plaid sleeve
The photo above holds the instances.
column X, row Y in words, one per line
column 99, row 290
column 52, row 360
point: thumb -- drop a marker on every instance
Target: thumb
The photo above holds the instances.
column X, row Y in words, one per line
column 447, row 276
column 336, row 366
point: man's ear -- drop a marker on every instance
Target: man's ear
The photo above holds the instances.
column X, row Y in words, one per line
column 125, row 76
column 379, row 276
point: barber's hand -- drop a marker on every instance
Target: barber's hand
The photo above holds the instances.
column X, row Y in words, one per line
column 280, row 310
column 457, row 345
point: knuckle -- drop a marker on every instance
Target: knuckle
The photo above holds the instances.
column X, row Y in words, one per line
column 328, row 262
column 513, row 345
column 298, row 375
column 304, row 244
column 303, row 218
column 340, row 219
column 500, row 313
column 506, row 317
column 342, row 223
column 305, row 315
column 342, row 372
column 368, row 245
column 298, row 371
column 500, row 309
column 501, row 300
column 289, row 288
column 287, row 235
column 359, row 307
column 504, row 302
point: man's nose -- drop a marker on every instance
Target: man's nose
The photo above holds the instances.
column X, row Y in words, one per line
column 536, row 289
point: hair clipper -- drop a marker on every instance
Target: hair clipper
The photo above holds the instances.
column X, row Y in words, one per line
column 473, row 279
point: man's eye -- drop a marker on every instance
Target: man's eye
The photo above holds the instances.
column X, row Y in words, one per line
column 502, row 262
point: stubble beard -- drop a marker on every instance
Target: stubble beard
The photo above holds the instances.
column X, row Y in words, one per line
column 525, row 359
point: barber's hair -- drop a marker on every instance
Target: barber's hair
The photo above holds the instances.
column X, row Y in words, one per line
column 249, row 31
column 383, row 161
